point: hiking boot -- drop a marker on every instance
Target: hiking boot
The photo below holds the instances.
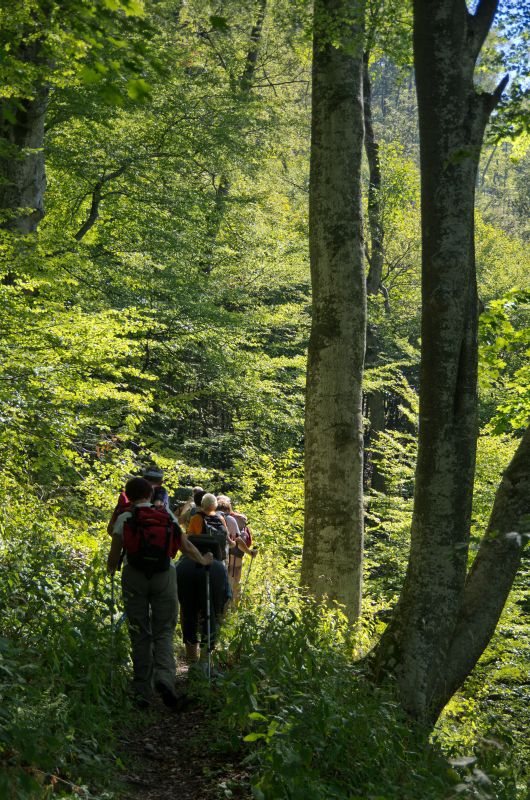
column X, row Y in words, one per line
column 169, row 698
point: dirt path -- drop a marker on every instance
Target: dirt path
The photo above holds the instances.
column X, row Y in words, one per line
column 168, row 759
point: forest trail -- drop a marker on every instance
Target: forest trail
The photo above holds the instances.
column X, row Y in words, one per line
column 166, row 758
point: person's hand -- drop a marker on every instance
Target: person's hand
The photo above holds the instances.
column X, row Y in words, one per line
column 207, row 559
column 254, row 552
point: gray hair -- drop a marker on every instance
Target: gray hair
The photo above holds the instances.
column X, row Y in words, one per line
column 209, row 502
column 224, row 501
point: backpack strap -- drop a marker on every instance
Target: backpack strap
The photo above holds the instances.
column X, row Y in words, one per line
column 134, row 522
column 169, row 533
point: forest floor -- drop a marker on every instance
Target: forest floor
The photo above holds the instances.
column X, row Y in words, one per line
column 167, row 757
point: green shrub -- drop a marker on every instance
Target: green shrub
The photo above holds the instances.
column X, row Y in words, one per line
column 297, row 707
column 56, row 697
column 315, row 729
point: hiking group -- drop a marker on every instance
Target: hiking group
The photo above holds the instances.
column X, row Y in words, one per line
column 146, row 536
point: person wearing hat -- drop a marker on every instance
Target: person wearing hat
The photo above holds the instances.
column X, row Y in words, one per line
column 155, row 477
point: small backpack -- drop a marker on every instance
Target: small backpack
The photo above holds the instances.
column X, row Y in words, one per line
column 160, row 497
column 244, row 530
column 151, row 539
column 213, row 536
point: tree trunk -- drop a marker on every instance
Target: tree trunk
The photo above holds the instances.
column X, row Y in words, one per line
column 491, row 576
column 22, row 174
column 452, row 119
column 375, row 400
column 243, row 86
column 333, row 541
column 375, row 222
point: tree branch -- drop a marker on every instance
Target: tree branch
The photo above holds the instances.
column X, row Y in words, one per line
column 97, row 197
column 479, row 24
column 247, row 78
column 492, row 574
column 93, row 214
column 497, row 94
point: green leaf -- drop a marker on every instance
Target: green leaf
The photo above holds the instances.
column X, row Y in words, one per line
column 219, row 23
column 138, row 90
column 253, row 737
column 89, row 76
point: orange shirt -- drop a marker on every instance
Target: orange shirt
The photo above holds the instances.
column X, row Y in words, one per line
column 196, row 527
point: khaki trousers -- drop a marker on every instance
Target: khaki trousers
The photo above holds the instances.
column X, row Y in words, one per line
column 151, row 605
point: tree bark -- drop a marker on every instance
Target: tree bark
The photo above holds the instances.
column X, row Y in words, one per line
column 244, row 87
column 22, row 167
column 491, row 576
column 251, row 61
column 333, row 539
column 22, row 173
column 375, row 401
column 375, row 223
column 452, row 119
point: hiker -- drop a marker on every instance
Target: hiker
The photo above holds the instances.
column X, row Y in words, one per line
column 208, row 511
column 150, row 538
column 191, row 507
column 243, row 542
column 191, row 582
column 224, row 508
column 120, row 507
column 160, row 497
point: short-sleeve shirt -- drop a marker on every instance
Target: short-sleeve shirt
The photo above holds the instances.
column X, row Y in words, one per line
column 231, row 524
column 120, row 522
column 196, row 525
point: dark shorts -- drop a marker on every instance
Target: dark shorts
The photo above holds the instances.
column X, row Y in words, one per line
column 191, row 585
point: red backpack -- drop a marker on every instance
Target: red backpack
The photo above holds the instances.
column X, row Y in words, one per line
column 121, row 506
column 151, row 538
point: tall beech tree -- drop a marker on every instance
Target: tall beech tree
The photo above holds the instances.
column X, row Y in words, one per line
column 387, row 30
column 43, row 45
column 333, row 539
column 446, row 615
column 242, row 87
column 22, row 172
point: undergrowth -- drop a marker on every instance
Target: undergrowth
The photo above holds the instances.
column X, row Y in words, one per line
column 314, row 728
column 294, row 703
column 58, row 699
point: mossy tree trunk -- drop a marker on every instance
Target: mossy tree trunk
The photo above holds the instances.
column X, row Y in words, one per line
column 333, row 542
column 432, row 619
column 22, row 171
column 375, row 400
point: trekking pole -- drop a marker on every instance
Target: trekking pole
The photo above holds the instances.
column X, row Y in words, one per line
column 247, row 576
column 208, row 623
column 112, row 629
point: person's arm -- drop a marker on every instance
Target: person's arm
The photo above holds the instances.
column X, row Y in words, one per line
column 112, row 520
column 184, row 514
column 114, row 553
column 233, row 531
column 191, row 551
column 245, row 548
